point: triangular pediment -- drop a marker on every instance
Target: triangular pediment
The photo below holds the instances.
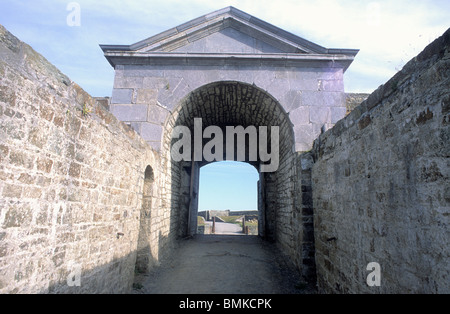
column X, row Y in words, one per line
column 234, row 27
column 225, row 35
column 229, row 40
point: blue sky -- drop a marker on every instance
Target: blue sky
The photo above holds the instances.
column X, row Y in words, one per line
column 228, row 185
column 388, row 34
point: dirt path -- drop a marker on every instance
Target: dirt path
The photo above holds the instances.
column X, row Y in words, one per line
column 226, row 228
column 226, row 264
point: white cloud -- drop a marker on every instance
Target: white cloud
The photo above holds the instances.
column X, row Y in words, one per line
column 388, row 33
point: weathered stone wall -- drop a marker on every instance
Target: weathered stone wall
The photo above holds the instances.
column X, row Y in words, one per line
column 303, row 219
column 381, row 185
column 71, row 183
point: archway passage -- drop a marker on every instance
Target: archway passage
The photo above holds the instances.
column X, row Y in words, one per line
column 224, row 104
column 228, row 195
column 223, row 264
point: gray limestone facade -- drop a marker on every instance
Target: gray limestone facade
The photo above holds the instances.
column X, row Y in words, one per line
column 152, row 77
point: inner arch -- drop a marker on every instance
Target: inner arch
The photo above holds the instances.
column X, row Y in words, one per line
column 231, row 103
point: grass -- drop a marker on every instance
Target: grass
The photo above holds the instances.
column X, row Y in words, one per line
column 200, row 221
column 86, row 110
column 252, row 224
column 231, row 219
column 238, row 221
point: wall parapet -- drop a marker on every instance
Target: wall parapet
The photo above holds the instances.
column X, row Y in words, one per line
column 380, row 185
column 407, row 75
column 71, row 183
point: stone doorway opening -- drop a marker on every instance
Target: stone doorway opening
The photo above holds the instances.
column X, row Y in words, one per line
column 226, row 104
column 228, row 199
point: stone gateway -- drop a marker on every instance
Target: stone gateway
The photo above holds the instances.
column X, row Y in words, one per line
column 90, row 194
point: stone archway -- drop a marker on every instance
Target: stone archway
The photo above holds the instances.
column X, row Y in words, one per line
column 232, row 103
column 229, row 69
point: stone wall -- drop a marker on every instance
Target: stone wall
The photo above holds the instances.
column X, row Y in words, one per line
column 71, row 183
column 381, row 185
column 83, row 195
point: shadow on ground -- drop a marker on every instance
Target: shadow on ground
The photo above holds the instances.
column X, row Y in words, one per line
column 224, row 264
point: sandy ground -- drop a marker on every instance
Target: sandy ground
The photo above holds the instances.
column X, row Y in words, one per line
column 223, row 264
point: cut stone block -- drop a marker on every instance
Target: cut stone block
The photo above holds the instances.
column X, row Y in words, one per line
column 151, row 132
column 146, row 96
column 337, row 113
column 320, row 115
column 299, row 115
column 121, row 96
column 130, row 112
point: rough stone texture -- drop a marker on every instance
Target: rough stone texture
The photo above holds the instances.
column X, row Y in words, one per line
column 71, row 184
column 381, row 185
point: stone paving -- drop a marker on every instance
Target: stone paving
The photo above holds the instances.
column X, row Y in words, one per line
column 223, row 264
